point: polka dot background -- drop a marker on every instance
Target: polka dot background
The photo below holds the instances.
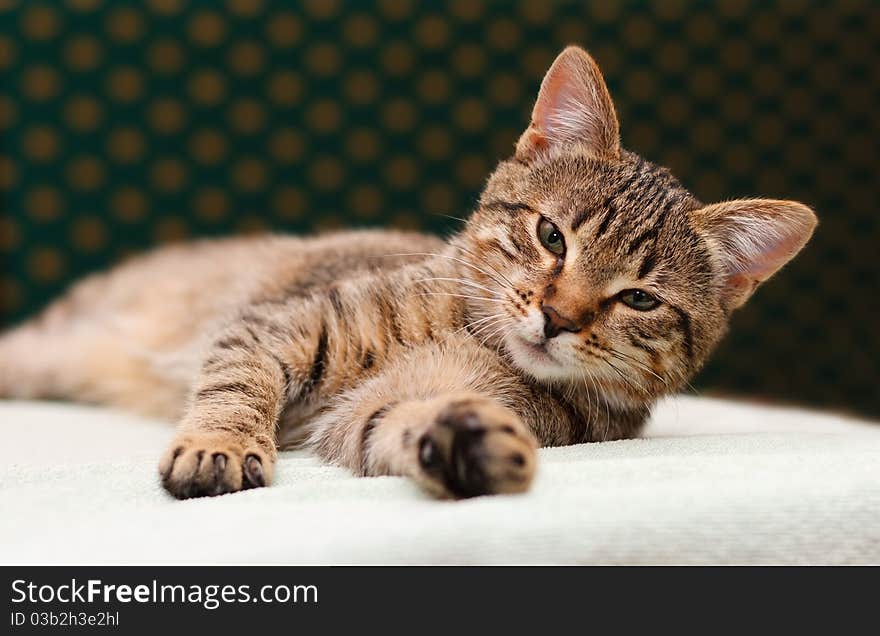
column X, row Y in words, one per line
column 128, row 124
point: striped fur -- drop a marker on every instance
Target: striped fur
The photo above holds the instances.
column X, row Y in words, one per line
column 393, row 353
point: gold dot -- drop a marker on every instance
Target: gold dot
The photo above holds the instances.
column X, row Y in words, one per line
column 396, row 9
column 207, row 87
column 8, row 172
column 399, row 115
column 738, row 106
column 402, row 172
column 125, row 25
column 641, row 86
column 284, row 30
column 323, row 59
column 45, row 264
column 471, row 170
column 503, row 34
column 165, row 57
column 247, row 116
column 10, row 294
column 211, row 204
column 289, row 203
column 166, row 7
column 360, row 30
column 84, row 5
column 674, row 110
column 541, row 12
column 736, row 55
column 286, row 145
column 167, row 115
column 321, row 9
column 769, row 130
column 536, row 60
column 639, row 32
column 361, row 87
column 435, row 143
column 768, row 79
column 207, row 28
column 246, row 8
column 82, row 53
column 8, row 52
column 469, row 60
column 432, row 32
column 574, row 31
column 252, row 223
column 171, row 229
column 10, row 234
column 83, row 113
column 702, row 29
column 88, row 234
column 365, row 201
column 710, row 186
column 40, row 23
column 434, row 86
column 8, row 112
column 250, row 174
column 705, row 82
column 41, row 143
column 505, row 89
column 85, row 173
column 40, row 82
column 168, row 175
column 470, row 115
column 670, row 10
column 126, row 145
column 246, row 58
column 326, row 173
column 398, row 59
column 707, row 136
column 439, row 198
column 125, row 84
column 467, row 10
column 406, row 220
column 324, row 116
column 285, row 88
column 738, row 159
column 503, row 140
column 44, row 203
column 363, row 144
column 128, row 204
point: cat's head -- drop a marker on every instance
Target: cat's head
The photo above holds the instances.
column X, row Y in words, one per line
column 596, row 267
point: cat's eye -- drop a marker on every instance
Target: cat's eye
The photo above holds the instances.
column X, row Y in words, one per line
column 551, row 237
column 638, row 299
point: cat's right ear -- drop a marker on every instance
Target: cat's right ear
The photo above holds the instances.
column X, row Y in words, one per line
column 573, row 108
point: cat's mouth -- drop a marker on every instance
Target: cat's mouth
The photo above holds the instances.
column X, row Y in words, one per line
column 532, row 357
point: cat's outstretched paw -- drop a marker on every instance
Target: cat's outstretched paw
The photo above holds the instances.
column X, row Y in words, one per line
column 203, row 464
column 476, row 447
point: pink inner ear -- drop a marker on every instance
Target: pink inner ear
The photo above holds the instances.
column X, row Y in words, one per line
column 573, row 107
column 756, row 238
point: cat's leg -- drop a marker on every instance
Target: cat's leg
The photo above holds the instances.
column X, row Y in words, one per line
column 441, row 417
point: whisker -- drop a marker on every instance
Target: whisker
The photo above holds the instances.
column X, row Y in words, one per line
column 452, row 258
column 470, row 253
column 488, row 300
column 462, row 281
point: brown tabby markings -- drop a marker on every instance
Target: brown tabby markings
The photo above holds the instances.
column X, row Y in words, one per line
column 395, row 353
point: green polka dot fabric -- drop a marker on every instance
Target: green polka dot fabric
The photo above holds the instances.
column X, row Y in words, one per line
column 130, row 124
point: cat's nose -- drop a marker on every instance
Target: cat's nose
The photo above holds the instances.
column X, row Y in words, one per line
column 554, row 323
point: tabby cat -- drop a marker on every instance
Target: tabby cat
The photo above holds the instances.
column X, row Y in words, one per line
column 587, row 283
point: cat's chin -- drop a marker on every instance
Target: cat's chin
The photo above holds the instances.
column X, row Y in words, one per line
column 535, row 359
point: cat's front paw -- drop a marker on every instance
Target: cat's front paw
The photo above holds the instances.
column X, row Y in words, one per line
column 476, row 447
column 201, row 464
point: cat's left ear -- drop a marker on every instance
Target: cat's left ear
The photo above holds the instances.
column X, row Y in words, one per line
column 573, row 108
column 753, row 239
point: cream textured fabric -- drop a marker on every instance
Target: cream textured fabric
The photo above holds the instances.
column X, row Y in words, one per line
column 712, row 482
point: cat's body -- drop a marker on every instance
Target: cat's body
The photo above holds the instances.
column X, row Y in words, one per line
column 587, row 283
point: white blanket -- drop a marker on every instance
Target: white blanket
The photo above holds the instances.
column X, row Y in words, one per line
column 712, row 482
